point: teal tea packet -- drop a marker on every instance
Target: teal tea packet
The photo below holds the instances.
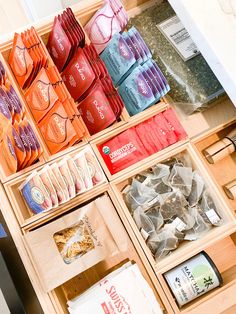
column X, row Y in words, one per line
column 118, row 58
column 136, row 93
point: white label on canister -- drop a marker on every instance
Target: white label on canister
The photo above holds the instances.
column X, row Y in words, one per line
column 191, row 279
column 178, row 36
column 179, row 224
column 212, row 216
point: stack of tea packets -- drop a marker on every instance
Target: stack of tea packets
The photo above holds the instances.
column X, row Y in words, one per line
column 130, row 65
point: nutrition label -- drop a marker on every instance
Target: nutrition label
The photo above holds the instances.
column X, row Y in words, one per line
column 179, row 37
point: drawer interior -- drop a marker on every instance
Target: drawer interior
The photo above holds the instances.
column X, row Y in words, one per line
column 223, row 171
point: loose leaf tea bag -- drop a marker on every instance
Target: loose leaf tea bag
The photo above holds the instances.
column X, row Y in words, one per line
column 196, row 189
column 181, row 178
column 193, row 84
column 209, row 208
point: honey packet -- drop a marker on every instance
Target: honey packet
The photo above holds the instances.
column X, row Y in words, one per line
column 45, row 177
column 35, row 194
column 56, row 171
column 66, row 174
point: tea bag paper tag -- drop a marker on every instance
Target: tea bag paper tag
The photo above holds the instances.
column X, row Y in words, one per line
column 179, row 224
column 144, row 234
column 213, row 216
column 178, row 36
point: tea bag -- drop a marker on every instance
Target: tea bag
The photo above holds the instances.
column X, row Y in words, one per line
column 155, row 215
column 143, row 221
column 181, row 178
column 200, row 227
column 173, row 205
column 196, row 190
column 140, row 195
column 209, row 208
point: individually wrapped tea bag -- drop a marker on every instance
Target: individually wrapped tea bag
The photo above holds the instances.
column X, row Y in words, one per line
column 209, row 208
column 181, row 178
column 196, row 190
column 140, row 195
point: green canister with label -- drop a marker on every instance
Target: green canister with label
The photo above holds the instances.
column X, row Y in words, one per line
column 193, row 278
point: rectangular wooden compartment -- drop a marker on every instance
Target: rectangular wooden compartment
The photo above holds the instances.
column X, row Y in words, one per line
column 219, row 299
column 26, row 217
column 185, row 250
column 224, row 170
column 83, row 281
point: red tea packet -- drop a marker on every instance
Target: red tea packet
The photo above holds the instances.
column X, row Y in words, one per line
column 174, row 123
column 122, row 151
column 59, row 45
column 78, row 75
column 165, row 134
column 96, row 111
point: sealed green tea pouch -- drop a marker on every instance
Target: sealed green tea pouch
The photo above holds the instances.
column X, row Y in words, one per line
column 193, row 84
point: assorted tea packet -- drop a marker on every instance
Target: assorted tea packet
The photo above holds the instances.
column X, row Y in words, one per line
column 107, row 21
column 171, row 204
column 77, row 241
column 127, row 284
column 62, row 181
column 18, row 141
column 141, row 141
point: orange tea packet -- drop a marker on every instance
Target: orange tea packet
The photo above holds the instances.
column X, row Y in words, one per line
column 41, row 95
column 56, row 128
column 20, row 61
column 8, row 159
column 18, row 147
column 20, row 131
column 5, row 117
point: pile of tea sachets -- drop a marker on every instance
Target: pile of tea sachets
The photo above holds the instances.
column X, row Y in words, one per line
column 19, row 145
column 171, row 204
column 61, row 181
column 141, row 141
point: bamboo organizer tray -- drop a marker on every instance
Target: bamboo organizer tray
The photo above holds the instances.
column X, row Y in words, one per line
column 219, row 243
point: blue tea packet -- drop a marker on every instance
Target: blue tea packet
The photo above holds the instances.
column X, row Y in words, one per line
column 132, row 48
column 151, row 83
column 142, row 42
column 159, row 75
column 118, row 58
column 136, row 93
column 138, row 47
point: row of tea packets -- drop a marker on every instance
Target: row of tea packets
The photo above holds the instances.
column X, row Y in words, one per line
column 130, row 65
column 171, row 204
column 123, row 291
column 61, row 181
